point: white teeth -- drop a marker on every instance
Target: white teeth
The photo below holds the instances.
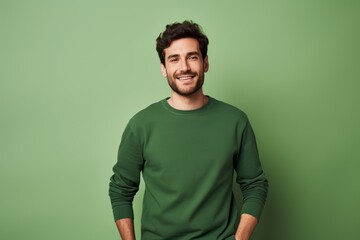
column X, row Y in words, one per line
column 185, row 77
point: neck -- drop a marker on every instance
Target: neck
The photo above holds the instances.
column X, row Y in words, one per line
column 192, row 102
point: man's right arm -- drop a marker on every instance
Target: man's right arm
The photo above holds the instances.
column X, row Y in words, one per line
column 126, row 228
column 125, row 181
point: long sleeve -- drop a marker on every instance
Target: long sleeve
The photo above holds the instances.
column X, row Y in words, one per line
column 250, row 176
column 125, row 181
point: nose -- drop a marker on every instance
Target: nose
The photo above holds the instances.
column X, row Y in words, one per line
column 184, row 65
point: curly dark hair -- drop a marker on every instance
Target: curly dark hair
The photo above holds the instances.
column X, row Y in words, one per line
column 177, row 31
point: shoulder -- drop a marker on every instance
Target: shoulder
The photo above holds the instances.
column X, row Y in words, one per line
column 149, row 113
column 229, row 110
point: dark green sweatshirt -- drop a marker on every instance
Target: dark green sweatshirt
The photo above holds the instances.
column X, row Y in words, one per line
column 187, row 159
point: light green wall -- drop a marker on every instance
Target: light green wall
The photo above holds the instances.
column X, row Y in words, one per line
column 73, row 72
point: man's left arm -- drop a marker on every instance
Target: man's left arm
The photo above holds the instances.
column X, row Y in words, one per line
column 252, row 181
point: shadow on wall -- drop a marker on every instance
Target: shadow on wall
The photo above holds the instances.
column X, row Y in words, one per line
column 276, row 220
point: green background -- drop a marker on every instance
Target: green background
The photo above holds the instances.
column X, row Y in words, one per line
column 73, row 72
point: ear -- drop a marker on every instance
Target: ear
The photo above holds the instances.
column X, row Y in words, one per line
column 206, row 64
column 163, row 70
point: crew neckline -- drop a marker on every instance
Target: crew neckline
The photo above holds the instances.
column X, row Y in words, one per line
column 168, row 107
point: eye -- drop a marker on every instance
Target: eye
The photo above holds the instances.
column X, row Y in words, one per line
column 173, row 60
column 193, row 57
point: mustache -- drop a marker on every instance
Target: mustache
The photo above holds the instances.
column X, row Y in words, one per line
column 188, row 72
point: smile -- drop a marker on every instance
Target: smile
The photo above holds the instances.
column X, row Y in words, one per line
column 185, row 77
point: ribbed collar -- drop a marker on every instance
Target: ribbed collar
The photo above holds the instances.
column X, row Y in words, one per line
column 197, row 111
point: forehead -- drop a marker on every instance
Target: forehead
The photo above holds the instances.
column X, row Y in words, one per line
column 182, row 47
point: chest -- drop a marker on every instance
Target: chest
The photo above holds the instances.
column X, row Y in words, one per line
column 185, row 145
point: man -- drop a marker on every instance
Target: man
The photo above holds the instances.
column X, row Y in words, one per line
column 187, row 147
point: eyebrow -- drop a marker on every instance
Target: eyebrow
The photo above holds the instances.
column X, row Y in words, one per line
column 188, row 54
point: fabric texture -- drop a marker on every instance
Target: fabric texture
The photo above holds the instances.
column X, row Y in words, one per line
column 187, row 160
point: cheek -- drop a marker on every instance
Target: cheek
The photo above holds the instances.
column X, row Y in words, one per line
column 197, row 67
column 171, row 71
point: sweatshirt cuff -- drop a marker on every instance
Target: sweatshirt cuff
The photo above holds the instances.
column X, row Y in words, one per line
column 123, row 211
column 253, row 208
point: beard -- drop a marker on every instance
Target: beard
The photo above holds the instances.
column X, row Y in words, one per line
column 186, row 91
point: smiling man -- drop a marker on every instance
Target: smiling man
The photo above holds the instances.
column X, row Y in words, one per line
column 185, row 67
column 187, row 148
